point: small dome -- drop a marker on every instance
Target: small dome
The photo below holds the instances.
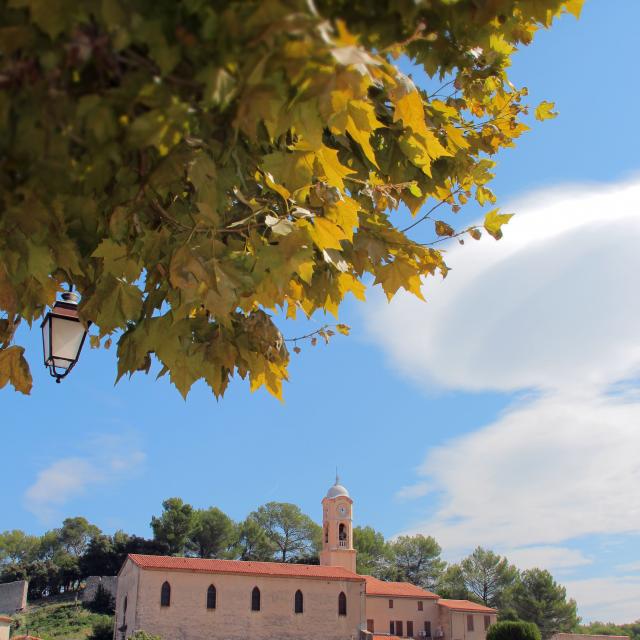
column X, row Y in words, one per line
column 337, row 490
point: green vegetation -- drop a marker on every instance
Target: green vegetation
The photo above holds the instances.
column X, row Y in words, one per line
column 61, row 559
column 511, row 630
column 609, row 628
column 60, row 621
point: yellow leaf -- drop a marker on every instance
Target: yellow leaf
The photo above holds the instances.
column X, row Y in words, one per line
column 362, row 122
column 456, row 137
column 493, row 222
column 345, row 214
column 574, row 7
column 544, row 111
column 396, row 274
column 284, row 192
column 410, row 110
column 329, row 166
column 443, row 229
column 350, row 284
column 325, row 234
column 14, row 369
column 292, row 169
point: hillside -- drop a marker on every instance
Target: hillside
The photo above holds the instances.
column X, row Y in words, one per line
column 59, row 619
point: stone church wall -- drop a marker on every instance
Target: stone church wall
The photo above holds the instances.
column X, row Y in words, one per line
column 188, row 618
column 110, row 583
column 13, row 596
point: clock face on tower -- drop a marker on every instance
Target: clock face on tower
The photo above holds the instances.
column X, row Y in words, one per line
column 342, row 510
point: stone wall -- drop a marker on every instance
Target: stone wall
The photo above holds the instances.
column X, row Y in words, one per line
column 13, row 596
column 110, row 583
column 584, row 636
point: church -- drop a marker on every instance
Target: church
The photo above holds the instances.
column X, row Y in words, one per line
column 209, row 599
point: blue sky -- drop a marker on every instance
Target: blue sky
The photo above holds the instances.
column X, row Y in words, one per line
column 484, row 417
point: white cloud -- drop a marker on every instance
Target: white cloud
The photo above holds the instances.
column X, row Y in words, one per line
column 607, row 599
column 69, row 478
column 548, row 471
column 547, row 557
column 55, row 485
column 553, row 308
column 413, row 491
column 553, row 305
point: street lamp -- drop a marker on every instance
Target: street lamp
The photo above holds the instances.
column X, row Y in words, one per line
column 62, row 336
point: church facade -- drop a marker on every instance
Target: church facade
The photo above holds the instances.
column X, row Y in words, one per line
column 209, row 599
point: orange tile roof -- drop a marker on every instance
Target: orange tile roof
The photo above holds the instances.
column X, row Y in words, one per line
column 275, row 569
column 6, row 619
column 375, row 587
column 465, row 605
column 24, row 638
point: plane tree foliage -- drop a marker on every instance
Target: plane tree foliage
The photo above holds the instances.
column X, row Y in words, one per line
column 199, row 170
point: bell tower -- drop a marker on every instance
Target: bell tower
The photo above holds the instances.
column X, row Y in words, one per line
column 337, row 529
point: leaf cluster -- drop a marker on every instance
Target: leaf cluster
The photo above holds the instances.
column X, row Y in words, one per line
column 198, row 169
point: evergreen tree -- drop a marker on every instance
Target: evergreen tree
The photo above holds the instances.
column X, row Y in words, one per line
column 416, row 559
column 538, row 598
column 487, row 576
column 174, row 526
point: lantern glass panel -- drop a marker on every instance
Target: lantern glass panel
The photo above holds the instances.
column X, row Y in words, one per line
column 66, row 341
column 46, row 329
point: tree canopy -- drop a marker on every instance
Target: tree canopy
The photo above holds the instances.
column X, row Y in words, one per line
column 538, row 598
column 197, row 170
column 487, row 576
column 292, row 533
column 417, row 560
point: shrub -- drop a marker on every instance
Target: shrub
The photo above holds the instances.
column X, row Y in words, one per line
column 143, row 635
column 103, row 602
column 511, row 630
column 102, row 630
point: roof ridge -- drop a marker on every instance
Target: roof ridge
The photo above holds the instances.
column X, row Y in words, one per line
column 255, row 567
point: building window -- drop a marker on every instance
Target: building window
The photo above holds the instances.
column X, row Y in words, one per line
column 342, row 535
column 390, row 604
column 427, row 628
column 211, row 597
column 399, row 628
column 342, row 604
column 420, row 606
column 487, row 622
column 392, row 627
column 298, row 604
column 470, row 622
column 255, row 599
column 370, row 626
column 165, row 595
column 410, row 628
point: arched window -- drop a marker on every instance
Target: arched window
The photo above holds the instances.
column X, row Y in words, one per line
column 298, row 604
column 342, row 604
column 211, row 597
column 123, row 626
column 165, row 595
column 255, row 599
column 342, row 532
